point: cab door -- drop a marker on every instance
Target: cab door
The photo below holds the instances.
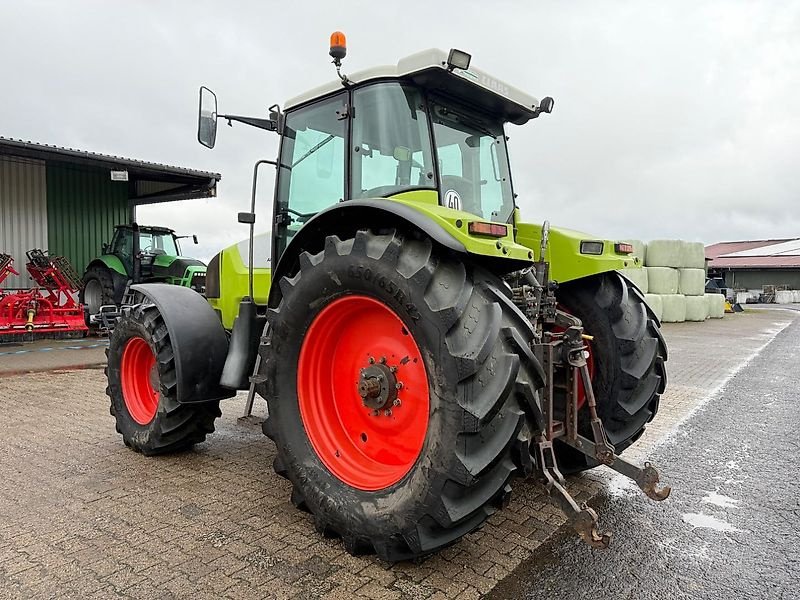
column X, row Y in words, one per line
column 311, row 173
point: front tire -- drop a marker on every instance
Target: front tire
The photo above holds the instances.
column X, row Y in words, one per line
column 627, row 357
column 142, row 387
column 400, row 485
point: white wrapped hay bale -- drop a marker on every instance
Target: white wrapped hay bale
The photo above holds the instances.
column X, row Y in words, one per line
column 638, row 277
column 692, row 282
column 664, row 253
column 639, row 249
column 783, row 297
column 696, row 308
column 662, row 280
column 796, row 294
column 673, row 308
column 654, row 302
column 715, row 305
column 693, row 255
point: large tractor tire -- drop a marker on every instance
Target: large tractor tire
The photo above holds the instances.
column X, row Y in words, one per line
column 626, row 360
column 398, row 380
column 142, row 387
column 98, row 289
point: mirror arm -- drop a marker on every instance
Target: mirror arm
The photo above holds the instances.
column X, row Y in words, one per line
column 267, row 124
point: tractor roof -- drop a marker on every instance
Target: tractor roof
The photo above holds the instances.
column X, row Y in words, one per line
column 428, row 69
column 150, row 228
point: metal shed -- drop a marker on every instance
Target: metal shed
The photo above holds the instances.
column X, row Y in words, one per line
column 753, row 264
column 67, row 201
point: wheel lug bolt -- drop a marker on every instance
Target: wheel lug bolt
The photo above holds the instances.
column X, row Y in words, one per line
column 396, row 402
column 393, row 369
column 398, row 385
column 375, row 413
column 383, row 360
column 388, row 412
column 371, row 360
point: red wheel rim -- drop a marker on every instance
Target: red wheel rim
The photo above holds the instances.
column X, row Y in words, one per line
column 365, row 448
column 139, row 380
column 589, row 360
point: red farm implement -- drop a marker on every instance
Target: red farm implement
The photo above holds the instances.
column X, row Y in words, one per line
column 50, row 307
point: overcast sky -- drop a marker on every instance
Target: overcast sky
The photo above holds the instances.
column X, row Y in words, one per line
column 672, row 119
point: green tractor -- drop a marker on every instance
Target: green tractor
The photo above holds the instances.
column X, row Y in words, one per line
column 137, row 254
column 418, row 344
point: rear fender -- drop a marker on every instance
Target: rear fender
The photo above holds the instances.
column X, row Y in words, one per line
column 112, row 262
column 198, row 341
column 411, row 217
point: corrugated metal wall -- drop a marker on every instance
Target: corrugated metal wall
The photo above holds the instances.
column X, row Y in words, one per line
column 758, row 278
column 83, row 205
column 23, row 212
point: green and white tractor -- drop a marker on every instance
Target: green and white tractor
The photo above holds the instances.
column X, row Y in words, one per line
column 419, row 345
column 137, row 254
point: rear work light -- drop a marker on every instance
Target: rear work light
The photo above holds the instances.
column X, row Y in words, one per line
column 490, row 229
column 591, row 247
column 623, row 248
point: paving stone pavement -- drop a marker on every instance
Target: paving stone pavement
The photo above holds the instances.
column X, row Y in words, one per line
column 81, row 516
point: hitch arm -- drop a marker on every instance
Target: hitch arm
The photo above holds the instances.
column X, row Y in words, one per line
column 582, row 518
column 646, row 477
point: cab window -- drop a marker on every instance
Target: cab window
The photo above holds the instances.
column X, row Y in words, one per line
column 473, row 164
column 391, row 146
column 311, row 175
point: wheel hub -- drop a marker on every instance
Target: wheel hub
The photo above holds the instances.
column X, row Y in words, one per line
column 378, row 386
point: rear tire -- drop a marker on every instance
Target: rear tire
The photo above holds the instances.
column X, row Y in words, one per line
column 628, row 352
column 481, row 379
column 142, row 386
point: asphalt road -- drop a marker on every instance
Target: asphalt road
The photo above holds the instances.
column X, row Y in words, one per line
column 730, row 528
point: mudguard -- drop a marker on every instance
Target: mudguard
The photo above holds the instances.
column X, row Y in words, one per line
column 445, row 227
column 198, row 340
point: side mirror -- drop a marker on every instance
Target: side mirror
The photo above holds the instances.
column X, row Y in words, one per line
column 546, row 105
column 207, row 118
column 247, row 218
column 194, row 239
column 105, row 247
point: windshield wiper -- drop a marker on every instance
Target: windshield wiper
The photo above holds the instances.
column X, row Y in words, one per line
column 312, row 150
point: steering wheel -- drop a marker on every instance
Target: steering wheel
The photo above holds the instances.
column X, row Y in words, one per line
column 301, row 217
column 463, row 187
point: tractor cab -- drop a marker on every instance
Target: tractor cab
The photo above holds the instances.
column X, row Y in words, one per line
column 148, row 242
column 427, row 130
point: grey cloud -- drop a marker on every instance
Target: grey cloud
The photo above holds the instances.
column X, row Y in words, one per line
column 672, row 119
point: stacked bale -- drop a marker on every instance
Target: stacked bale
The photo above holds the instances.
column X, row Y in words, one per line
column 663, row 280
column 673, row 308
column 676, row 274
column 696, row 308
column 638, row 277
column 655, row 304
column 715, row 305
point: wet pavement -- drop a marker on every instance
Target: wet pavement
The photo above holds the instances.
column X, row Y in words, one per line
column 21, row 357
column 81, row 516
column 730, row 527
